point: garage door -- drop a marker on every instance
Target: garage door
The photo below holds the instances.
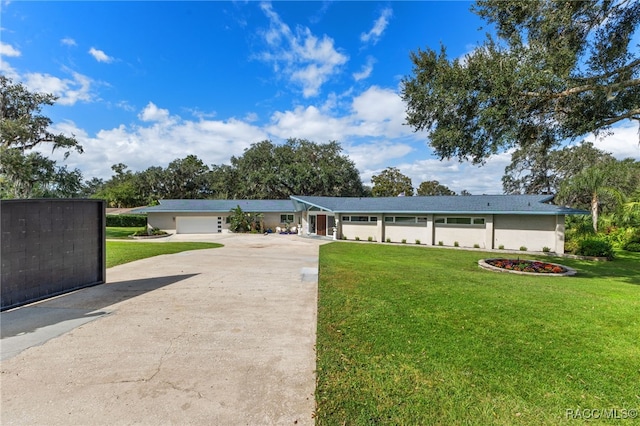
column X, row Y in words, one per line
column 199, row 224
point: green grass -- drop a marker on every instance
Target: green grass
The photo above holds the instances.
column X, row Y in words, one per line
column 118, row 232
column 410, row 335
column 119, row 252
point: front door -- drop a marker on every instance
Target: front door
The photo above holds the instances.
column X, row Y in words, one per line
column 321, row 226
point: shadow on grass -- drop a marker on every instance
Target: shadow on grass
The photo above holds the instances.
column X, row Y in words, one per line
column 86, row 304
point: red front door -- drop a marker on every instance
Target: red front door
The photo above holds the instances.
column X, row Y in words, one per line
column 321, row 225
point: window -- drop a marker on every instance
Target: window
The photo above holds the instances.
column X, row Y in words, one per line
column 405, row 219
column 286, row 218
column 460, row 220
column 359, row 219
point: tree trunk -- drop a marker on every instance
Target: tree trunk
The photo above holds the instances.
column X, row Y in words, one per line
column 594, row 212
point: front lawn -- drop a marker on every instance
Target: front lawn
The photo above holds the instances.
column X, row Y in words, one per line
column 119, row 252
column 121, row 232
column 410, row 335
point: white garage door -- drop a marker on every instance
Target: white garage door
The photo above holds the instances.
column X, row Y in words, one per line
column 199, row 224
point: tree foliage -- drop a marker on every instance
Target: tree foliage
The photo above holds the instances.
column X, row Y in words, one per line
column 536, row 170
column 391, row 183
column 601, row 187
column 264, row 171
column 301, row 167
column 433, row 187
column 25, row 173
column 555, row 70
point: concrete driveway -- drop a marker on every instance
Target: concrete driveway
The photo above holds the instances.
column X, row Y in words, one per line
column 215, row 337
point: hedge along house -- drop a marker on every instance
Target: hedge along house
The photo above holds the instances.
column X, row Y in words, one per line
column 210, row 216
column 485, row 221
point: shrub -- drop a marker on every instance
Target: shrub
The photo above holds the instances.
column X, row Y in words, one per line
column 476, row 246
column 417, row 241
column 127, row 220
column 404, row 241
column 388, row 240
column 456, row 244
column 632, row 241
column 344, row 237
column 546, row 249
column 635, row 247
column 440, row 243
column 592, row 246
column 145, row 232
column 501, row 247
column 357, row 238
column 369, row 238
column 523, row 248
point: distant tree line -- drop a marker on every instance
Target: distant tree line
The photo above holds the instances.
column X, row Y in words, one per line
column 264, row 171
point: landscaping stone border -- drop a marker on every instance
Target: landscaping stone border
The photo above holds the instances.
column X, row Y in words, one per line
column 569, row 272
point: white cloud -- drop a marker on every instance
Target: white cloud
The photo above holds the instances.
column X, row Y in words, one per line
column 8, row 50
column 457, row 176
column 624, row 142
column 308, row 61
column 380, row 112
column 100, row 56
column 366, row 71
column 368, row 156
column 157, row 142
column 68, row 41
column 68, row 91
column 152, row 113
column 378, row 27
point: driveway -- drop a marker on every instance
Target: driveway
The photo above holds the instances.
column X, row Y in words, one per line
column 215, row 337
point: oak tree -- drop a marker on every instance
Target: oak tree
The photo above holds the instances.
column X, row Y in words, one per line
column 555, row 70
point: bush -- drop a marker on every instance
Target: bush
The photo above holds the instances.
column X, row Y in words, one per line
column 127, row 220
column 369, row 238
column 501, row 247
column 440, row 243
column 597, row 247
column 344, row 237
column 476, row 245
column 357, row 238
column 523, row 248
column 456, row 244
column 145, row 232
column 404, row 241
column 417, row 241
column 546, row 249
column 388, row 240
column 632, row 241
column 635, row 247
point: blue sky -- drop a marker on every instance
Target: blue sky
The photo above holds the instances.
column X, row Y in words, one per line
column 144, row 83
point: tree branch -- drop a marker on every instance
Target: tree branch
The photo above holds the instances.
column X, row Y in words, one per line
column 584, row 88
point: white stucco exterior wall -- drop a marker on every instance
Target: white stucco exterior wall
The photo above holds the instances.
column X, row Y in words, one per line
column 532, row 232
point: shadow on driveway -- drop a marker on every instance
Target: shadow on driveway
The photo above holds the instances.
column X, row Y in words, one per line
column 33, row 325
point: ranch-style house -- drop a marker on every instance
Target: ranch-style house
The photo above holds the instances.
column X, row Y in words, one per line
column 485, row 221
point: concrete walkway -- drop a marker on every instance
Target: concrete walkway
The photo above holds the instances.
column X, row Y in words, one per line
column 210, row 337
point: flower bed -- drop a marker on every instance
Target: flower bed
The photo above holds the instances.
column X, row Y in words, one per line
column 528, row 267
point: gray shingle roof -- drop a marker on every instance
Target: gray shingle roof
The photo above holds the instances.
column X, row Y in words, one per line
column 454, row 204
column 477, row 204
column 254, row 206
